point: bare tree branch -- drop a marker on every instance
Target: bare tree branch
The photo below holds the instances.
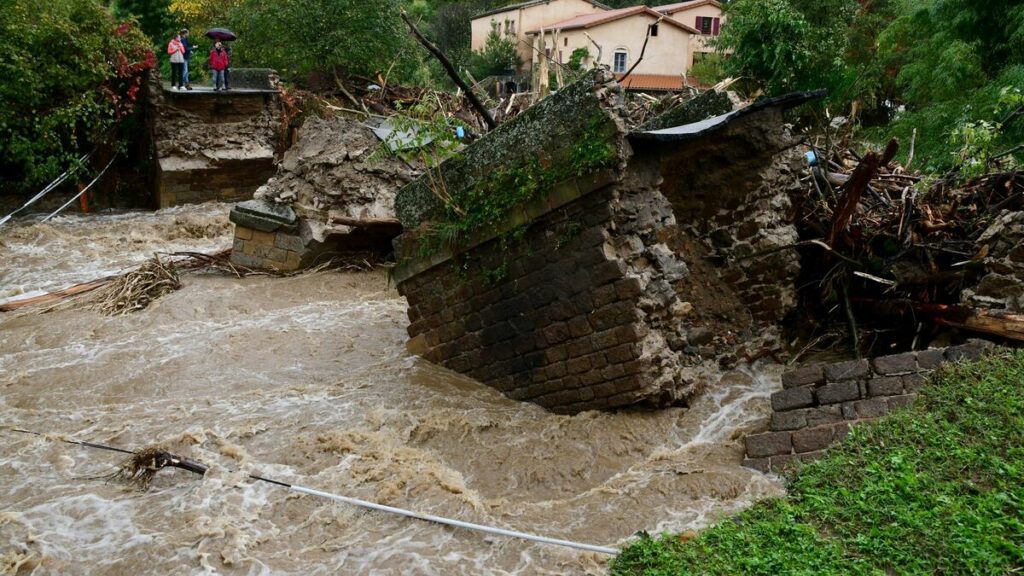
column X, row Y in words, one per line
column 477, row 105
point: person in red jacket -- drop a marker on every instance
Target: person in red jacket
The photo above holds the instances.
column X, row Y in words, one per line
column 218, row 64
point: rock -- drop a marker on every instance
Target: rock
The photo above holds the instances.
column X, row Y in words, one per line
column 699, row 336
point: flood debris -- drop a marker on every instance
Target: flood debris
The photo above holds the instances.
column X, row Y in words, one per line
column 906, row 256
column 142, row 466
column 137, row 289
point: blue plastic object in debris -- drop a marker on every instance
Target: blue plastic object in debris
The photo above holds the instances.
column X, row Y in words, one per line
column 812, row 158
column 460, row 132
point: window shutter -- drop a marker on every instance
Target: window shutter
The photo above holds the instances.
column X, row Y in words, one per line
column 700, row 20
column 715, row 30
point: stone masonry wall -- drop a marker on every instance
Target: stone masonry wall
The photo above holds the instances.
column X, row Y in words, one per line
column 819, row 403
column 212, row 145
column 599, row 291
column 556, row 327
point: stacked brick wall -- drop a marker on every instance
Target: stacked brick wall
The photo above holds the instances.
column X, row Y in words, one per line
column 601, row 292
column 556, row 327
column 226, row 181
column 267, row 250
column 819, row 403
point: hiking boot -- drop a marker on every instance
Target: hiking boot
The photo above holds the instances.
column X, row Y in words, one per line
column 188, row 86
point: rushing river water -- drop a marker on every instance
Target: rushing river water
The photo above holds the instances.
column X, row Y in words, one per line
column 307, row 380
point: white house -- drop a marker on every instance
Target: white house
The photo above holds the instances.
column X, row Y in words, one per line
column 616, row 38
column 513, row 21
column 704, row 15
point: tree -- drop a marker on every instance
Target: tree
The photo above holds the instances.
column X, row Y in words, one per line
column 73, row 75
column 321, row 36
column 154, row 17
column 498, row 56
column 789, row 45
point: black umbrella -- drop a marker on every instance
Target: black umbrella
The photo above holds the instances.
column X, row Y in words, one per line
column 220, row 34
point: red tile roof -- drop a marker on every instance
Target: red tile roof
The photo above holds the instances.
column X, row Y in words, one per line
column 672, row 8
column 592, row 20
column 655, row 82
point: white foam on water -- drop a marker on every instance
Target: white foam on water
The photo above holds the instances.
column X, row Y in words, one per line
column 307, row 380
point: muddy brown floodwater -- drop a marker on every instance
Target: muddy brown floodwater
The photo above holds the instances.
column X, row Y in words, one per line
column 307, row 380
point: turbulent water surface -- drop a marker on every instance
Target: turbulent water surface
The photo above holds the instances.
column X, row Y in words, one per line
column 306, row 380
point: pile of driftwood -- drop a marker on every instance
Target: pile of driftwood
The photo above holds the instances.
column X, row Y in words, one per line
column 888, row 253
column 134, row 290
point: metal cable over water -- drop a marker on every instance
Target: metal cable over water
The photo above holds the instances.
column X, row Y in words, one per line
column 49, row 187
column 167, row 459
column 83, row 191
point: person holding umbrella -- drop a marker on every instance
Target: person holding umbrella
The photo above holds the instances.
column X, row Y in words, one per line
column 218, row 64
column 222, row 35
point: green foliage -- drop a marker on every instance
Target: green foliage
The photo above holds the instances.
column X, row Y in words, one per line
column 154, row 17
column 450, row 29
column 71, row 76
column 789, row 45
column 487, row 205
column 498, row 55
column 576, row 59
column 298, row 37
column 709, row 70
column 934, row 489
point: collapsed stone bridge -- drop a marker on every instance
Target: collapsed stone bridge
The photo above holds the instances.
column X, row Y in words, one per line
column 568, row 261
column 214, row 145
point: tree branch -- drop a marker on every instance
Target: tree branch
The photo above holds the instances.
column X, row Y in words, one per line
column 642, row 50
column 477, row 105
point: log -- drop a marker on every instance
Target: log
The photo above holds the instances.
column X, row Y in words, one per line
column 1001, row 323
column 364, row 222
column 55, row 296
column 856, row 186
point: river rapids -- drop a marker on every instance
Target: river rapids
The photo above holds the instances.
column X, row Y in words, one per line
column 306, row 380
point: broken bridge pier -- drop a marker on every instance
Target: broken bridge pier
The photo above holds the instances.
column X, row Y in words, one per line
column 568, row 261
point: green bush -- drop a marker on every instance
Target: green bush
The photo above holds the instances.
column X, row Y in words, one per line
column 70, row 75
column 300, row 37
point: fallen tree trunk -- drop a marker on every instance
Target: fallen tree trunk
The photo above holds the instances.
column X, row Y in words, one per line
column 55, row 296
column 856, row 186
column 1001, row 323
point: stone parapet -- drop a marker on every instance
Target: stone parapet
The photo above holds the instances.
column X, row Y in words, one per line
column 819, row 403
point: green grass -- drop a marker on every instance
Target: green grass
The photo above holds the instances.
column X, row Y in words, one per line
column 934, row 489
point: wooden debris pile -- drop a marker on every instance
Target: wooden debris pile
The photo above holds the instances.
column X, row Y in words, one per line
column 137, row 289
column 141, row 467
column 890, row 253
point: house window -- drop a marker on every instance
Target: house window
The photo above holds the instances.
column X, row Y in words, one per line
column 498, row 28
column 511, row 28
column 707, row 25
column 566, row 41
column 654, row 29
column 620, row 62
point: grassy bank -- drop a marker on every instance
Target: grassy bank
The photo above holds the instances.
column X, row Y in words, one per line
column 934, row 489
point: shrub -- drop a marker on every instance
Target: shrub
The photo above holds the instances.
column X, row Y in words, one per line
column 71, row 75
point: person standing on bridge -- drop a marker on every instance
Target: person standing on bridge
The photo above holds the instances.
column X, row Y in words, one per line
column 218, row 64
column 177, row 52
column 188, row 55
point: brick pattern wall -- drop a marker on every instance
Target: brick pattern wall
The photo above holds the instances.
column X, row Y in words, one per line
column 227, row 181
column 559, row 328
column 267, row 250
column 819, row 403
